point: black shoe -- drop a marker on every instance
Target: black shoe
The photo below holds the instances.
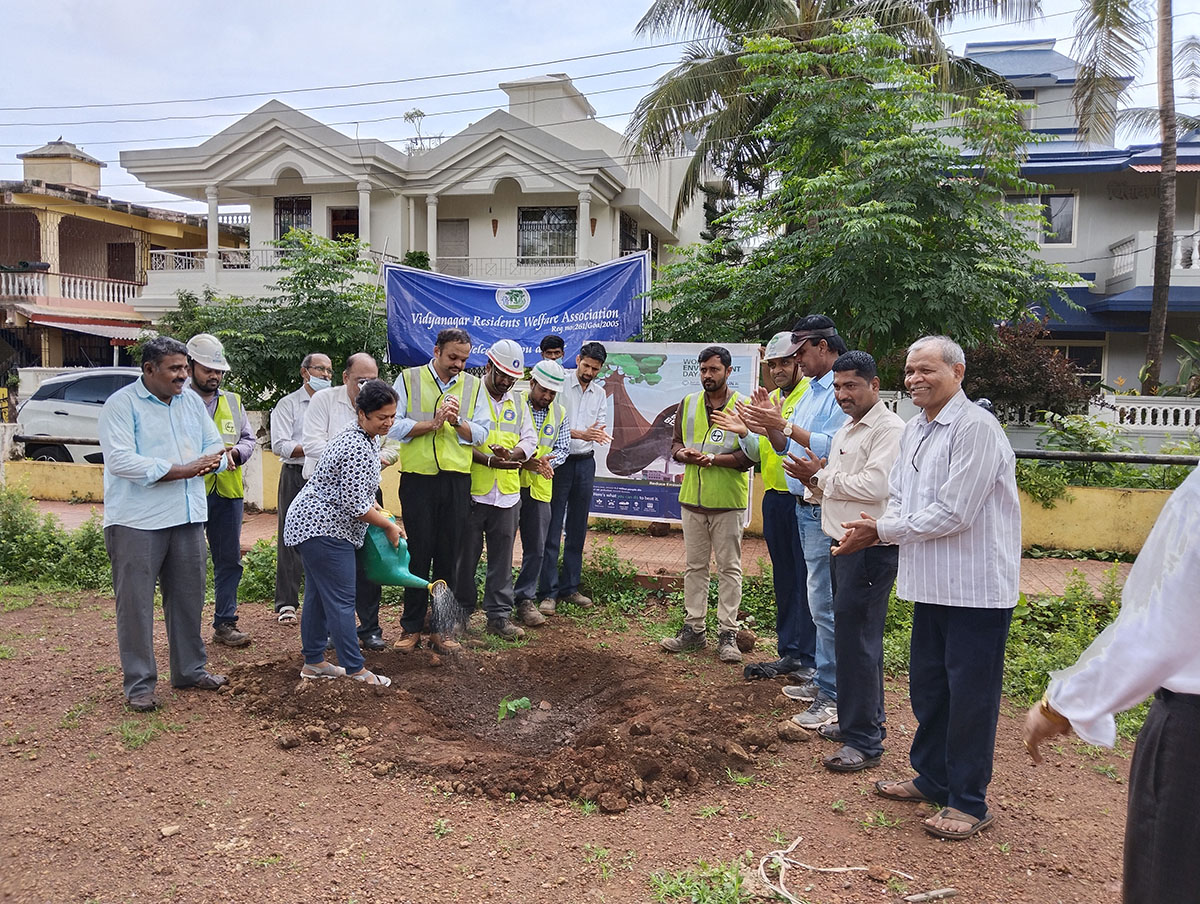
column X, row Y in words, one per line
column 373, row 641
column 830, row 732
column 207, row 682
column 230, row 636
column 802, row 674
column 143, row 703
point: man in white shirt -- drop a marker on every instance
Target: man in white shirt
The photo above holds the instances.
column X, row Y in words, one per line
column 1151, row 648
column 331, row 411
column 953, row 511
column 287, row 442
column 853, row 481
column 574, row 480
column 496, row 492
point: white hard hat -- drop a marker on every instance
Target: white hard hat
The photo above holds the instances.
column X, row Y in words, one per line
column 782, row 346
column 549, row 374
column 206, row 349
column 508, row 357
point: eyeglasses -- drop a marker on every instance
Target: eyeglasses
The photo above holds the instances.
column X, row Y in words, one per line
column 797, row 339
column 363, row 381
column 325, row 371
column 917, row 451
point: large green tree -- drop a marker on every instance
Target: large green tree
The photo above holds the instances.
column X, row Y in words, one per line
column 326, row 300
column 903, row 228
column 706, row 109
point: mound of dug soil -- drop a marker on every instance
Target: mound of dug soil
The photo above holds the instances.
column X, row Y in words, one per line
column 600, row 726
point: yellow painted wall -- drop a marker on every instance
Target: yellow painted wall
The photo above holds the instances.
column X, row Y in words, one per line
column 59, row 481
column 1096, row 518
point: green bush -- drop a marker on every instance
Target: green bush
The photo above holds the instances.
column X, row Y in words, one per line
column 258, row 575
column 35, row 548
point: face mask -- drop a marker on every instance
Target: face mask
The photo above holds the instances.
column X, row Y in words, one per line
column 316, row 384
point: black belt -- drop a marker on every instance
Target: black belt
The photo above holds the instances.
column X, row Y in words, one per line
column 288, row 464
column 804, row 501
column 580, row 456
column 1167, row 696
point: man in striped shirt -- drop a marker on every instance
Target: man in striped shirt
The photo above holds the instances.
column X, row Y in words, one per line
column 953, row 511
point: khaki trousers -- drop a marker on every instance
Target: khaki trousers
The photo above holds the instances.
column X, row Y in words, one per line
column 709, row 535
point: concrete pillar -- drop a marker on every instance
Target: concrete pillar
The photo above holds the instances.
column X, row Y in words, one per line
column 583, row 229
column 410, row 237
column 364, row 212
column 214, row 232
column 52, row 352
column 431, row 231
column 48, row 223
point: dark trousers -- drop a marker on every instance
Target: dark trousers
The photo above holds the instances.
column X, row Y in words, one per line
column 498, row 527
column 328, row 612
column 288, row 568
column 570, row 502
column 862, row 584
column 435, row 509
column 955, row 675
column 367, row 595
column 175, row 560
column 534, row 524
column 1162, row 834
column 224, row 532
column 793, row 621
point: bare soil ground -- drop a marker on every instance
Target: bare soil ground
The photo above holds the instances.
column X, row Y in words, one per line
column 628, row 763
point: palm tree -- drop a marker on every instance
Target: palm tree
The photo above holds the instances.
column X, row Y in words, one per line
column 702, row 106
column 1112, row 35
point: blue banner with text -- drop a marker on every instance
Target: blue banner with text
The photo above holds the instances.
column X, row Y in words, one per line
column 602, row 303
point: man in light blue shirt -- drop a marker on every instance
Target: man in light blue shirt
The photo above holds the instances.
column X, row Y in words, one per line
column 816, row 417
column 158, row 444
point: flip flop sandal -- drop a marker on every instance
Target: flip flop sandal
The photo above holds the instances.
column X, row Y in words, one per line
column 371, row 678
column 325, row 670
column 287, row 615
column 848, row 759
column 916, row 797
column 977, row 825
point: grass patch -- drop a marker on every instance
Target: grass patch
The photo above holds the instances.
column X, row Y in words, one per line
column 707, row 883
column 7, row 652
column 137, row 733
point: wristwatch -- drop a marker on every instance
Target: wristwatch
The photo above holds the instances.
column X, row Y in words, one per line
column 812, row 482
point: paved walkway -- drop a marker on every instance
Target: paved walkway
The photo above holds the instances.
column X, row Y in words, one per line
column 664, row 555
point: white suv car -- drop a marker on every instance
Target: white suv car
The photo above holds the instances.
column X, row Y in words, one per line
column 68, row 406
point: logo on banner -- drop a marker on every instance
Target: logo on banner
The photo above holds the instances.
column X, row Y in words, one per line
column 514, row 300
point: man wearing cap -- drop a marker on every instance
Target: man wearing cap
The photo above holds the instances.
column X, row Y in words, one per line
column 330, row 411
column 794, row 629
column 226, row 491
column 571, row 499
column 287, row 442
column 553, row 429
column 496, row 491
column 814, row 420
column 440, row 415
column 158, row 443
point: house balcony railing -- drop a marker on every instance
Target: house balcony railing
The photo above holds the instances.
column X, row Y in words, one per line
column 509, row 267
column 1135, row 414
column 67, row 285
column 1131, row 260
column 227, row 259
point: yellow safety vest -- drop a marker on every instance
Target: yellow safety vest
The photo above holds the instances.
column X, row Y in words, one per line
column 714, row 487
column 438, row 450
column 228, row 418
column 770, row 460
column 541, row 487
column 507, row 421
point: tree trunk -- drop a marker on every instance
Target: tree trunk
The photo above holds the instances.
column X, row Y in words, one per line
column 1164, row 244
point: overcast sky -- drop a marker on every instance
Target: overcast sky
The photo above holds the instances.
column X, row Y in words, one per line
column 121, row 56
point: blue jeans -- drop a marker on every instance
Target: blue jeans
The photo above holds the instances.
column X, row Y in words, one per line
column 224, row 532
column 328, row 610
column 793, row 622
column 570, row 501
column 816, row 544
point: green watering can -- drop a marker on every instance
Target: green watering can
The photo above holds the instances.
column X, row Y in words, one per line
column 387, row 564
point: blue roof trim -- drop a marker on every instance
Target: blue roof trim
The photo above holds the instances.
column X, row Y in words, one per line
column 1123, row 313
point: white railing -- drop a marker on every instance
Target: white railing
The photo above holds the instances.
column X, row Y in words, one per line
column 1151, row 413
column 91, row 288
column 1123, row 253
column 240, row 218
column 177, row 260
column 22, row 285
column 1186, row 253
column 509, row 267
